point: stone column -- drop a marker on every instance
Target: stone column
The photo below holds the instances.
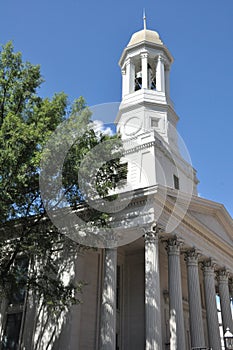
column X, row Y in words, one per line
column 231, row 288
column 160, row 78
column 195, row 308
column 175, row 295
column 167, row 81
column 108, row 307
column 124, row 82
column 152, row 292
column 144, row 60
column 211, row 305
column 130, row 76
column 223, row 276
column 231, row 292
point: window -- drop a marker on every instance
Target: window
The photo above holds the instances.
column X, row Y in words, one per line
column 20, row 270
column 176, row 182
column 12, row 330
column 15, row 309
column 122, row 171
column 154, row 122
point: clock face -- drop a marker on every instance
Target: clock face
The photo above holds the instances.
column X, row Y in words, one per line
column 132, row 126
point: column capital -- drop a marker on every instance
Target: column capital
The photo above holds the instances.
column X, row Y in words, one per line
column 151, row 237
column 128, row 61
column 144, row 54
column 192, row 256
column 173, row 245
column 161, row 58
column 223, row 276
column 151, row 232
column 208, row 266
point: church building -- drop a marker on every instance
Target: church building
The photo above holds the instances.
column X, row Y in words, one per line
column 167, row 282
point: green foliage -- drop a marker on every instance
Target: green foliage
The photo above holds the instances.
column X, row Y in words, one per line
column 27, row 121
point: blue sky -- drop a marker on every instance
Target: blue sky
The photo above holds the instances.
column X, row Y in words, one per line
column 78, row 45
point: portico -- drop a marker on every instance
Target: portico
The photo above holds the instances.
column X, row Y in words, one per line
column 178, row 298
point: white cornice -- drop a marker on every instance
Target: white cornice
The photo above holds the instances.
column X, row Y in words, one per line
column 141, row 102
column 149, row 45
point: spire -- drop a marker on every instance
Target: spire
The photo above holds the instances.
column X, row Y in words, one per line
column 144, row 19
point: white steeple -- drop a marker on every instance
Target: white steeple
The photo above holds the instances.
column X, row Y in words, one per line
column 145, row 65
column 147, row 116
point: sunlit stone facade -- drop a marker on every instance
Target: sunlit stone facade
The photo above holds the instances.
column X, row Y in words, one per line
column 156, row 292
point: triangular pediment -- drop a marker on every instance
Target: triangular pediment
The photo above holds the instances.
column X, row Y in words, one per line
column 214, row 217
column 213, row 224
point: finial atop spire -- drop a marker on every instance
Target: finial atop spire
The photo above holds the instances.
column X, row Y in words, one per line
column 144, row 19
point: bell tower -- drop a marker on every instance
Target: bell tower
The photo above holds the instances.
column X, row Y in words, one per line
column 147, row 120
column 145, row 66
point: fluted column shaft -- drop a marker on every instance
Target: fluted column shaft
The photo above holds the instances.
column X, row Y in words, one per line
column 223, row 277
column 177, row 340
column 108, row 307
column 195, row 308
column 211, row 305
column 231, row 288
column 152, row 292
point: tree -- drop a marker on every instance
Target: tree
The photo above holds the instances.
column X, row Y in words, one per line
column 27, row 121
